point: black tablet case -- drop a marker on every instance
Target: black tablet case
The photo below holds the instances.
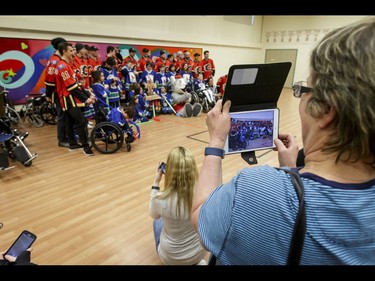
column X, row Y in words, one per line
column 263, row 93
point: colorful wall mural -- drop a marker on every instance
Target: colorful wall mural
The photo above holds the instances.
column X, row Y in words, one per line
column 22, row 62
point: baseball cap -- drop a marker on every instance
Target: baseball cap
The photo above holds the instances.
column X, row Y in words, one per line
column 93, row 48
column 132, row 50
column 56, row 41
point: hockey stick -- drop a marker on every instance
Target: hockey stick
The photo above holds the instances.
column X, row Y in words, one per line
column 169, row 104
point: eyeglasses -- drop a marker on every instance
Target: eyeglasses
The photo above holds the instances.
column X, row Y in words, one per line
column 300, row 87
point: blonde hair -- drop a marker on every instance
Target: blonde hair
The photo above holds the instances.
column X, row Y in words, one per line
column 180, row 177
column 343, row 78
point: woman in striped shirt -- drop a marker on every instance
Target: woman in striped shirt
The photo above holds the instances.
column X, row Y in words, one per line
column 258, row 207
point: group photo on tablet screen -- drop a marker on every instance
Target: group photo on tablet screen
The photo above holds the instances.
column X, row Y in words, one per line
column 252, row 130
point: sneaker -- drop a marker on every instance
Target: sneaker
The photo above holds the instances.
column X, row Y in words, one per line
column 88, row 151
column 74, row 146
column 189, row 109
column 63, row 144
column 129, row 138
column 197, row 108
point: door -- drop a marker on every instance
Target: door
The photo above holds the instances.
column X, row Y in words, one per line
column 283, row 55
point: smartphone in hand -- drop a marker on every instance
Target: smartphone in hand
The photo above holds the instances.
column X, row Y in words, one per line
column 22, row 243
column 162, row 167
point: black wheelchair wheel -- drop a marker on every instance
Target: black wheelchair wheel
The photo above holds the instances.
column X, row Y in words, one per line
column 194, row 97
column 10, row 148
column 11, row 155
column 48, row 113
column 35, row 120
column 128, row 147
column 107, row 137
column 13, row 116
column 205, row 106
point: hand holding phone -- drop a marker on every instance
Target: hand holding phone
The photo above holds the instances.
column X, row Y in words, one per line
column 162, row 167
column 22, row 243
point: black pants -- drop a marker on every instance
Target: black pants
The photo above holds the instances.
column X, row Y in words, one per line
column 61, row 131
column 75, row 117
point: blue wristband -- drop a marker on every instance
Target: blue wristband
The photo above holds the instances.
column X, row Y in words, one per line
column 214, row 151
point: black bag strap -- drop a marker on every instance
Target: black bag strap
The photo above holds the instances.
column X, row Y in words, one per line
column 299, row 230
column 212, row 260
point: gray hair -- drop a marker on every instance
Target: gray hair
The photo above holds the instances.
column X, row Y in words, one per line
column 343, row 78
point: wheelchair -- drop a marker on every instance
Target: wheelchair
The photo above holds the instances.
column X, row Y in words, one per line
column 205, row 97
column 12, row 146
column 108, row 137
column 39, row 111
column 31, row 110
column 47, row 111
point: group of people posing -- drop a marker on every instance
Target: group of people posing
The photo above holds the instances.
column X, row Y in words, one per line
column 79, row 82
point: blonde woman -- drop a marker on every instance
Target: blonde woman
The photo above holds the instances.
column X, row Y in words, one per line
column 177, row 242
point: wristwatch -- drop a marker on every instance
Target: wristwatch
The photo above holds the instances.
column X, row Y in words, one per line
column 214, row 151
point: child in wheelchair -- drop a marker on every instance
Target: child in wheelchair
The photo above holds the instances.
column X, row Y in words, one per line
column 122, row 116
column 203, row 94
column 112, row 129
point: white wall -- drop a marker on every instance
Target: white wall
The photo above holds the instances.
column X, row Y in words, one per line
column 309, row 30
column 228, row 41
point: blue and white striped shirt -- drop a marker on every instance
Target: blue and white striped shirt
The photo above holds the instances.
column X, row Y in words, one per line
column 250, row 220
